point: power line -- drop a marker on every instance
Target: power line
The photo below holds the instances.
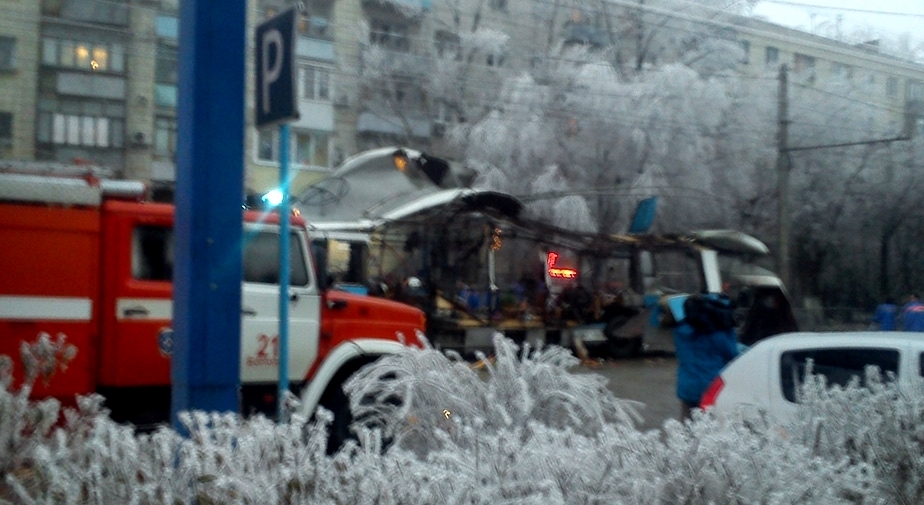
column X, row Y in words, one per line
column 847, row 9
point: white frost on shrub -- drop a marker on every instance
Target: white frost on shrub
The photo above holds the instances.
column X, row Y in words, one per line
column 522, row 430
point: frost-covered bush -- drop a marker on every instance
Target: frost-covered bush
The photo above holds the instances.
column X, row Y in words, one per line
column 532, row 432
column 880, row 425
column 418, row 397
column 524, row 430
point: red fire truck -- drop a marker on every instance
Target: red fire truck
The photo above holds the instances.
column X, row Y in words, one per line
column 92, row 259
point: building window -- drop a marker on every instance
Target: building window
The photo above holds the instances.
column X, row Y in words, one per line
column 315, row 83
column 805, row 65
column 6, row 129
column 165, row 137
column 165, row 70
column 66, row 53
column 50, row 51
column 307, row 148
column 83, row 55
column 7, row 53
column 745, row 51
column 116, row 58
column 392, row 36
column 165, row 95
column 100, row 58
column 495, row 60
column 76, row 130
column 841, row 70
column 892, row 86
column 311, row 149
column 167, row 27
column 915, row 90
column 773, row 55
column 447, row 45
column 266, row 145
column 313, row 26
column 499, row 5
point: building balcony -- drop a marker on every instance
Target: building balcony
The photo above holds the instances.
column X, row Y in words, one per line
column 413, row 5
column 401, row 63
column 98, row 12
column 315, row 49
column 585, row 34
column 370, row 122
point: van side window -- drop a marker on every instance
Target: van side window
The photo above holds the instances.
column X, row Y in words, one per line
column 152, row 253
column 921, row 365
column 261, row 259
column 838, row 366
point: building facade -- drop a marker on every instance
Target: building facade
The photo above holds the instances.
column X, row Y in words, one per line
column 95, row 81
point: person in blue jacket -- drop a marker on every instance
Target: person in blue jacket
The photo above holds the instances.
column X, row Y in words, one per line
column 705, row 341
column 912, row 315
column 885, row 315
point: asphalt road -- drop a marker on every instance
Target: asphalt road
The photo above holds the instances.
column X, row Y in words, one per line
column 650, row 380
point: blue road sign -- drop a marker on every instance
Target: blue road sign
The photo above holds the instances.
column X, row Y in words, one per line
column 275, row 55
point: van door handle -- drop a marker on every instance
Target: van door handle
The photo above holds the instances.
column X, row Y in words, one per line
column 135, row 311
column 247, row 311
column 293, row 297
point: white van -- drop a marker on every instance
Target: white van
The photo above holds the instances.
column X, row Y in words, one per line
column 767, row 377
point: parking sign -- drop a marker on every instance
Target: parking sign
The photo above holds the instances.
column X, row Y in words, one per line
column 275, row 65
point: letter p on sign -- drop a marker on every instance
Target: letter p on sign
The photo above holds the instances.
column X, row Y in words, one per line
column 275, row 54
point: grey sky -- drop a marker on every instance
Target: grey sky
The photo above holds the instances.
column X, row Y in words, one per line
column 889, row 17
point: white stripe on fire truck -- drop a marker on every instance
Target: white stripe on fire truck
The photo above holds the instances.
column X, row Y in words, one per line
column 144, row 309
column 45, row 308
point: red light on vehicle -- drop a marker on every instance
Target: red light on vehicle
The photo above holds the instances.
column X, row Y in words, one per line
column 559, row 272
column 712, row 393
column 563, row 273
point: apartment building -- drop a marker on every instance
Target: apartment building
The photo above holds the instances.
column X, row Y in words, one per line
column 19, row 44
column 891, row 85
column 96, row 80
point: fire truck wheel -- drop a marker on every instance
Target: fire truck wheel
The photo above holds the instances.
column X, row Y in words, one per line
column 336, row 401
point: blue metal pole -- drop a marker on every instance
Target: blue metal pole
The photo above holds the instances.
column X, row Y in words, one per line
column 283, row 271
column 205, row 364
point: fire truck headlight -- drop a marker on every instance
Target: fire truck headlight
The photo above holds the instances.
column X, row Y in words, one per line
column 272, row 197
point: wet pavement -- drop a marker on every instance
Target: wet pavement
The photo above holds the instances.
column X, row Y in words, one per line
column 649, row 379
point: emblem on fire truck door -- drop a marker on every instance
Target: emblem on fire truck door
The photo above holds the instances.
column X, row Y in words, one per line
column 165, row 340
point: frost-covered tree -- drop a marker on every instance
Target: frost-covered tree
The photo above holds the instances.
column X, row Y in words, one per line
column 583, row 108
column 850, row 202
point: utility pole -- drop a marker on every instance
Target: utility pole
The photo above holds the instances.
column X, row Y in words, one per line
column 784, row 167
column 782, row 171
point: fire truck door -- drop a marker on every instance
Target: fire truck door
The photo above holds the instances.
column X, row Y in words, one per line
column 136, row 261
column 260, row 307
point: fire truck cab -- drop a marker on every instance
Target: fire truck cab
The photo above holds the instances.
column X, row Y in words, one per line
column 91, row 259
